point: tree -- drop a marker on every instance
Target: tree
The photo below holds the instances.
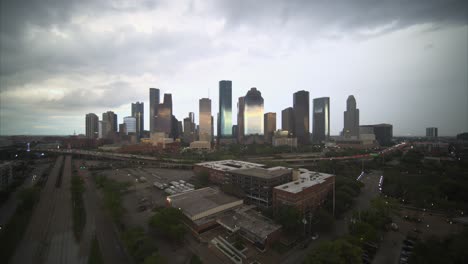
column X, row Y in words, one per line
column 335, row 252
column 365, row 232
column 289, row 217
column 195, row 260
column 168, row 221
column 155, row 258
column 203, row 178
column 323, row 221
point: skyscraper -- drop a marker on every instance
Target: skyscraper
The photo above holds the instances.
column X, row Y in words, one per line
column 137, row 112
column 240, row 120
column 130, row 124
column 225, row 110
column 153, row 108
column 432, row 132
column 321, row 119
column 287, row 120
column 351, row 119
column 253, row 112
column 110, row 128
column 164, row 116
column 269, row 121
column 301, row 116
column 205, row 120
column 92, row 127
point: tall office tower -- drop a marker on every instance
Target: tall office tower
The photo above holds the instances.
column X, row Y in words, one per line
column 189, row 130
column 164, row 116
column 287, row 120
column 240, row 119
column 111, row 124
column 321, row 119
column 430, row 132
column 138, row 113
column 153, row 110
column 102, row 129
column 253, row 112
column 212, row 129
column 175, row 133
column 191, row 115
column 351, row 119
column 122, row 129
column 204, row 132
column 92, row 128
column 269, row 129
column 130, row 124
column 301, row 116
column 225, row 109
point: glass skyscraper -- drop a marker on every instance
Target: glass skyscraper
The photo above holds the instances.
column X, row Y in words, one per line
column 301, row 116
column 225, row 109
column 205, row 120
column 130, row 124
column 269, row 121
column 287, row 120
column 240, row 119
column 351, row 119
column 153, row 108
column 164, row 116
column 253, row 112
column 321, row 119
column 137, row 112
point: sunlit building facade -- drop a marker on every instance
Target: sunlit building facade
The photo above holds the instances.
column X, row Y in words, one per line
column 164, row 116
column 269, row 121
column 225, row 110
column 253, row 113
column 321, row 119
column 205, row 120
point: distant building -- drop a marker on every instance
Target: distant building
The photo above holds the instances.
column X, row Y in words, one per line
column 225, row 110
column 111, row 124
column 130, row 124
column 217, row 170
column 301, row 116
column 200, row 145
column 164, row 116
column 160, row 139
column 203, row 207
column 189, row 128
column 102, row 128
column 235, row 130
column 383, row 133
column 282, row 138
column 432, row 132
column 240, row 120
column 153, row 108
column 253, row 112
column 123, row 129
column 205, row 118
column 92, row 125
column 138, row 114
column 269, row 126
column 351, row 119
column 287, row 120
column 321, row 119
column 307, row 192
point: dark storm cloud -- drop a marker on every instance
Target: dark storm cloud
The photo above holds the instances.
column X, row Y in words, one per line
column 344, row 14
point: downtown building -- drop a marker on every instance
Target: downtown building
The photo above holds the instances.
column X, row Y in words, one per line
column 301, row 116
column 351, row 119
column 164, row 118
column 269, row 129
column 224, row 130
column 253, row 117
column 189, row 134
column 205, row 120
column 153, row 108
column 383, row 133
column 321, row 119
column 92, row 125
column 432, row 132
column 138, row 114
column 109, row 125
column 287, row 120
column 240, row 119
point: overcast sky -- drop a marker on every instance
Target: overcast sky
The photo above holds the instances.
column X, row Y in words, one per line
column 406, row 62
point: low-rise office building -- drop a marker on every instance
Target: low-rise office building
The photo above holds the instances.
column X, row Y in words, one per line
column 306, row 193
column 217, row 170
column 203, row 207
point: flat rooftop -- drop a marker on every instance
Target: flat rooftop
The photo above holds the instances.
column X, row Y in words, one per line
column 196, row 202
column 306, row 179
column 263, row 173
column 250, row 221
column 228, row 165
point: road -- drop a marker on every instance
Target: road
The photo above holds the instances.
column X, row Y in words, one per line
column 362, row 202
column 98, row 219
column 49, row 237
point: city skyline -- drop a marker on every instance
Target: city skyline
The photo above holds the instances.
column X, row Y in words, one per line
column 404, row 67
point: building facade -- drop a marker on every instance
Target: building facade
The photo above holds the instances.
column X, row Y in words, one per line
column 205, row 120
column 287, row 120
column 253, row 113
column 301, row 108
column 110, row 129
column 321, row 119
column 138, row 114
column 130, row 124
column 269, row 129
column 351, row 119
column 164, row 116
column 92, row 125
column 225, row 110
column 432, row 132
column 383, row 133
column 240, row 119
column 153, row 108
